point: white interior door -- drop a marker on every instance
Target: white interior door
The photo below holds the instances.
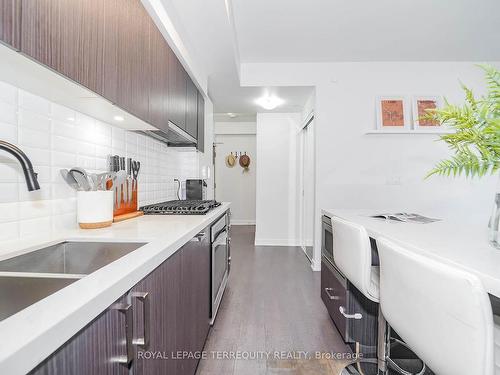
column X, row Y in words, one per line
column 306, row 188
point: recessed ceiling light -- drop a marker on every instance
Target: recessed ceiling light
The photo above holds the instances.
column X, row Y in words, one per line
column 232, row 115
column 71, row 119
column 118, row 118
column 269, row 102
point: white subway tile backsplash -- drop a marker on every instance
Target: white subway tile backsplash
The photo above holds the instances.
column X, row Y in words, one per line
column 43, row 194
column 8, row 132
column 34, row 209
column 62, row 113
column 40, row 227
column 9, row 192
column 34, row 103
column 9, row 212
column 9, row 172
column 34, row 138
column 8, row 113
column 8, row 93
column 56, row 137
column 34, row 121
column 38, row 156
column 9, row 231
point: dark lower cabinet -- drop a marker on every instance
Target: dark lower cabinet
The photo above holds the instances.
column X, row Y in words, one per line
column 156, row 303
column 99, row 348
column 10, row 23
column 195, row 300
column 158, row 327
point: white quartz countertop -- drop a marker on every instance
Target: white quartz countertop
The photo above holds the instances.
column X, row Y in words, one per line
column 32, row 334
column 460, row 242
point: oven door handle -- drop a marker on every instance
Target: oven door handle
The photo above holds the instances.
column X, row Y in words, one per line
column 220, row 240
column 217, row 235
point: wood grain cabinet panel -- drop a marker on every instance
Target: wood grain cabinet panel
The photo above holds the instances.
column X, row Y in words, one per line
column 67, row 36
column 191, row 108
column 41, row 31
column 163, row 288
column 201, row 123
column 158, row 88
column 195, row 302
column 133, row 58
column 177, row 87
column 10, row 23
column 93, row 350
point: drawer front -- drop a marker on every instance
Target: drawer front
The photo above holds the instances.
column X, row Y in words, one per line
column 334, row 295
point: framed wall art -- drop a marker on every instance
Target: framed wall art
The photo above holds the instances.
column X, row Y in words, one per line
column 421, row 104
column 392, row 113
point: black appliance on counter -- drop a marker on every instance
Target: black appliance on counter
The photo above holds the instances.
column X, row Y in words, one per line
column 196, row 189
column 180, row 207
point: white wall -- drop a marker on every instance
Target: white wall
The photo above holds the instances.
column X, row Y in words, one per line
column 276, row 205
column 383, row 172
column 56, row 137
column 234, row 184
column 206, row 158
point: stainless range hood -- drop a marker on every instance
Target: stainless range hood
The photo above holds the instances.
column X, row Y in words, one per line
column 173, row 137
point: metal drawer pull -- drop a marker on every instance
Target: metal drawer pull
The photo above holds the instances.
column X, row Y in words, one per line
column 144, row 298
column 356, row 316
column 198, row 238
column 332, row 297
column 126, row 308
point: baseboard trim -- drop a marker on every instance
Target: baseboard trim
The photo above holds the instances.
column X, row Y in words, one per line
column 242, row 222
column 315, row 266
column 276, row 242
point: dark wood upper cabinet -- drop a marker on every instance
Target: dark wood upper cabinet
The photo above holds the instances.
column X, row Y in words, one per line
column 113, row 48
column 177, row 86
column 201, row 123
column 158, row 88
column 10, row 23
column 133, row 58
column 41, row 31
column 67, row 36
column 191, row 108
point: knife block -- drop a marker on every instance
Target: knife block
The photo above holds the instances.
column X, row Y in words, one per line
column 126, row 210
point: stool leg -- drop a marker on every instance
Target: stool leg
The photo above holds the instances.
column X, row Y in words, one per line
column 382, row 343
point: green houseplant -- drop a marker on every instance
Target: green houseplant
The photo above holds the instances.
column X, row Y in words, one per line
column 476, row 138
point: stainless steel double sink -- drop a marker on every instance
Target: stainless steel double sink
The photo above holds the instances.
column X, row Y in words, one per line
column 28, row 278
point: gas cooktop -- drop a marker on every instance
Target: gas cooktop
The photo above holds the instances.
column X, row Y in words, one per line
column 181, row 207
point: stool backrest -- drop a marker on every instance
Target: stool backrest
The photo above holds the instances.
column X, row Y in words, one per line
column 352, row 254
column 442, row 312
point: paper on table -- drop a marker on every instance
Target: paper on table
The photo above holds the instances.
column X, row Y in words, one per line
column 406, row 217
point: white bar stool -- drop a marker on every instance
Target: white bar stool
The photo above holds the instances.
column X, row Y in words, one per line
column 352, row 254
column 443, row 313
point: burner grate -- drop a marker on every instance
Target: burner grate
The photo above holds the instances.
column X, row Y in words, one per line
column 180, row 207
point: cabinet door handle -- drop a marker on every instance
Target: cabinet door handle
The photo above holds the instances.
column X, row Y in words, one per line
column 126, row 309
column 332, row 297
column 144, row 298
column 198, row 238
column 356, row 316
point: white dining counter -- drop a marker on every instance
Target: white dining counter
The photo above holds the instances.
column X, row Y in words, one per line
column 463, row 243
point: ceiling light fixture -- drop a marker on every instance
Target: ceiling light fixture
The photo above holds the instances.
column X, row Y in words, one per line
column 118, row 118
column 269, row 102
column 232, row 115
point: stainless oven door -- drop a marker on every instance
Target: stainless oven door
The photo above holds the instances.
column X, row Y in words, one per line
column 220, row 270
column 327, row 239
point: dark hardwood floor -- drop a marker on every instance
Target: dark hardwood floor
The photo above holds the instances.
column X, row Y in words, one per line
column 272, row 303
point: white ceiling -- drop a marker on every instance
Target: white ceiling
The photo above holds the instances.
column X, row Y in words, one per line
column 207, row 27
column 327, row 30
column 357, row 30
